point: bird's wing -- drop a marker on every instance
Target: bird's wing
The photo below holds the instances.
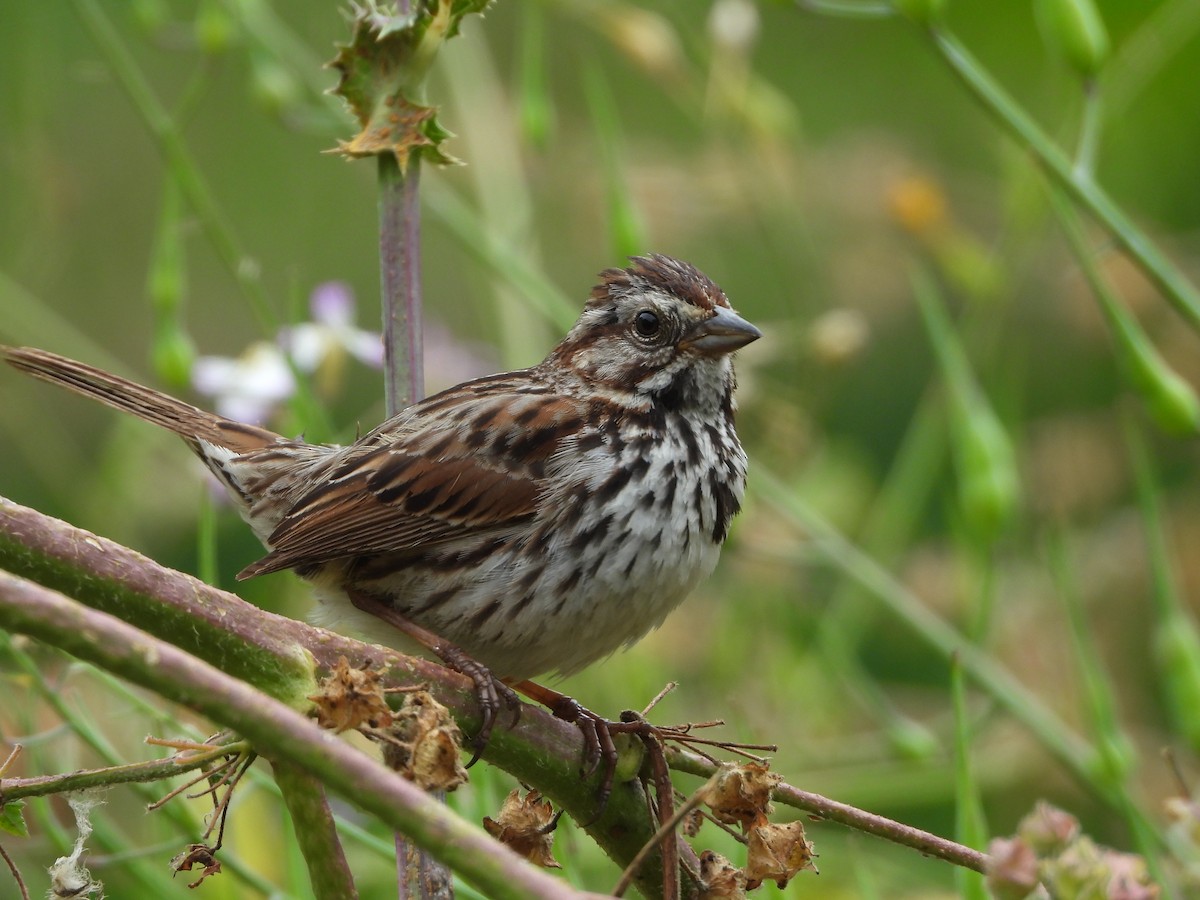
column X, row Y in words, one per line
column 461, row 465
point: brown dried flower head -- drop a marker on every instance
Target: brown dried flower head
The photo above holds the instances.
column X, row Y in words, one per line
column 424, row 744
column 349, row 698
column 526, row 825
column 720, row 879
column 741, row 794
column 196, row 855
column 777, row 852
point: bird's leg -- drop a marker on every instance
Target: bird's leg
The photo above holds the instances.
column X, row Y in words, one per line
column 598, row 746
column 490, row 691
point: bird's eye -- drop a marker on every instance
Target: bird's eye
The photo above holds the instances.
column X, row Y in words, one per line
column 646, row 323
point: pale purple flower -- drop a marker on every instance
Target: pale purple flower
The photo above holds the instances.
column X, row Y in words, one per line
column 332, row 331
column 249, row 387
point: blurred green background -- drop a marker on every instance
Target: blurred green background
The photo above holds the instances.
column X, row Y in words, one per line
column 807, row 163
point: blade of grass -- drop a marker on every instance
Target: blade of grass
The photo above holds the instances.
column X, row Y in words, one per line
column 970, row 828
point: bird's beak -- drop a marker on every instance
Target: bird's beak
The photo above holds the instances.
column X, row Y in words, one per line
column 723, row 332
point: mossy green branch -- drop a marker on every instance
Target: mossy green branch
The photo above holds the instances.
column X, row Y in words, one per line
column 282, row 656
column 276, row 731
column 195, row 617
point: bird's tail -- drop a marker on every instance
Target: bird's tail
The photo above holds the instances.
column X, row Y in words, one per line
column 192, row 424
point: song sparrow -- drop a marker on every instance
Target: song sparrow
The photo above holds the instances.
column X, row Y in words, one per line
column 538, row 519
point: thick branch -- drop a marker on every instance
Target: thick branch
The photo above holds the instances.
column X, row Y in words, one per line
column 316, row 832
column 277, row 731
column 276, row 654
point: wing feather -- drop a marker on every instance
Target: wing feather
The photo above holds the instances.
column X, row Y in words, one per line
column 436, row 482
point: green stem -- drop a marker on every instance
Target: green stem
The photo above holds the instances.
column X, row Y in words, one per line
column 1175, row 287
column 84, row 779
column 316, row 832
column 1091, row 121
column 847, row 9
column 1073, row 751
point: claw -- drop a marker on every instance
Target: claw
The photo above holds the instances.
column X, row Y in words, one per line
column 489, row 691
column 598, row 746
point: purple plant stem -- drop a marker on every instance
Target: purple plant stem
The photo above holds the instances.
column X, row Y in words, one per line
column 400, row 281
column 420, row 875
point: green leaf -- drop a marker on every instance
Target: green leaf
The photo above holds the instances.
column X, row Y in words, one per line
column 11, row 819
column 383, row 70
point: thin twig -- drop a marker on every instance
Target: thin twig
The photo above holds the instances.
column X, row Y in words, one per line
column 221, row 806
column 16, row 873
column 667, row 688
column 229, row 770
column 180, row 744
column 667, row 827
column 850, row 816
column 44, row 785
column 203, row 776
column 10, row 759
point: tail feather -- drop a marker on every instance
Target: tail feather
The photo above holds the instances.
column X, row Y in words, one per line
column 192, row 424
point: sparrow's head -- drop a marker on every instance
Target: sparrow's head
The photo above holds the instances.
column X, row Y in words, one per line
column 660, row 330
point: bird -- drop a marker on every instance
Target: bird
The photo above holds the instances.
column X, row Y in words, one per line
column 530, row 522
